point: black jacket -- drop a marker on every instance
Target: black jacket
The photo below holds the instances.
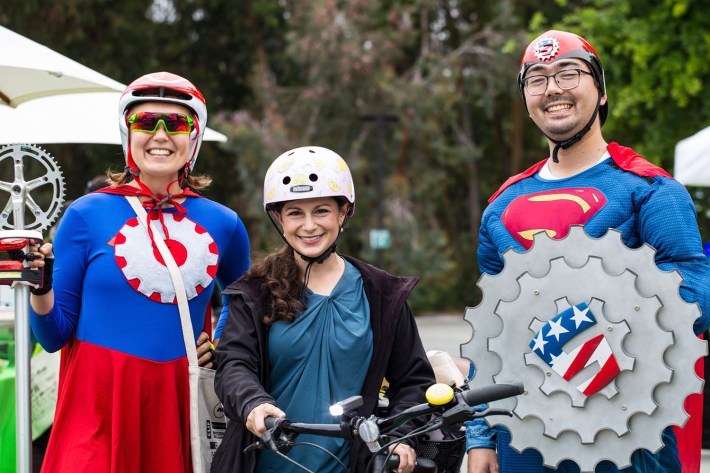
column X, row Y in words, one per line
column 243, row 364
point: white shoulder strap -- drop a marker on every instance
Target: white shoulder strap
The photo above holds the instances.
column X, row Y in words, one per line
column 187, row 333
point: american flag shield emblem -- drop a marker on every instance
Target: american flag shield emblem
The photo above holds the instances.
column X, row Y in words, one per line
column 548, row 343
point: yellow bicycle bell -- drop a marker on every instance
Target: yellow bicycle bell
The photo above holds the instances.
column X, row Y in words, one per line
column 439, row 394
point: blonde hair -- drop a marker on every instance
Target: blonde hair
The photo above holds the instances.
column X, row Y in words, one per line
column 195, row 182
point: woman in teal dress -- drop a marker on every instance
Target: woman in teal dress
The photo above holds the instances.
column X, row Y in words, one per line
column 308, row 327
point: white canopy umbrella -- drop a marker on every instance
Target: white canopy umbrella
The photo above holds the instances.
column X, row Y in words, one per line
column 46, row 97
column 74, row 118
column 692, row 159
column 29, row 70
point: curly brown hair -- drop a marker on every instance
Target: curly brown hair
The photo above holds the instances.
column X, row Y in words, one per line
column 283, row 281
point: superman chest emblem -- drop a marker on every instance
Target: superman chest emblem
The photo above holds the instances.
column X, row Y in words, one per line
column 552, row 212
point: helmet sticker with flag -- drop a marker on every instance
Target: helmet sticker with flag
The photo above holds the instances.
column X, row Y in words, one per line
column 546, row 48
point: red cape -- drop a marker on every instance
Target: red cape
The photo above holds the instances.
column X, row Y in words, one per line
column 626, row 158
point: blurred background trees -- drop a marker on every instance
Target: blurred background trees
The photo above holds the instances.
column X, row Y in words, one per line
column 419, row 96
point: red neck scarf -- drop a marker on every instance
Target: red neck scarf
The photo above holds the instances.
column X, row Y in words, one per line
column 155, row 203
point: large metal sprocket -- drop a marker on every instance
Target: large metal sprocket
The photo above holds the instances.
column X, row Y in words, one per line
column 639, row 310
column 41, row 192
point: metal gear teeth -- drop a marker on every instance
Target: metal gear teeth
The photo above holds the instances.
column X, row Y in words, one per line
column 538, row 296
column 626, row 281
column 43, row 218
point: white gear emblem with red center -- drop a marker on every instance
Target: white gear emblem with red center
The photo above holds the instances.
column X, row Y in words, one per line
column 193, row 248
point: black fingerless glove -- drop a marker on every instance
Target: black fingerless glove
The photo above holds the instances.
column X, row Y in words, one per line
column 46, row 277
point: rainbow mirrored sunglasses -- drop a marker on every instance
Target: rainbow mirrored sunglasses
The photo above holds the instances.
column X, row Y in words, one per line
column 173, row 123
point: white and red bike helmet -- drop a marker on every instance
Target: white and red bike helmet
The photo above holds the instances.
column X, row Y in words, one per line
column 552, row 46
column 163, row 87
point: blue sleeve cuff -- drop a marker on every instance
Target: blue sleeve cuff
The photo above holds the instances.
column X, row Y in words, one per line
column 224, row 312
column 479, row 435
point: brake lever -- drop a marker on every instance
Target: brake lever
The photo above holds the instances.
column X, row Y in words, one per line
column 269, row 440
column 266, row 441
column 258, row 445
column 492, row 412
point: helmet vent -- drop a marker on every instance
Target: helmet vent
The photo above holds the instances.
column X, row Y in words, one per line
column 313, row 177
column 287, row 180
column 161, row 92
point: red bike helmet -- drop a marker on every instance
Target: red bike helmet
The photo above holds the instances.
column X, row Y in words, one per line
column 163, row 87
column 554, row 45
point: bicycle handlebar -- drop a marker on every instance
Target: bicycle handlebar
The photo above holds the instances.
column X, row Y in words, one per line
column 451, row 410
column 494, row 392
column 391, row 462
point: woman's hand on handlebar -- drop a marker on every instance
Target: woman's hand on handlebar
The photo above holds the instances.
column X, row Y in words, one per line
column 255, row 419
column 407, row 457
column 483, row 460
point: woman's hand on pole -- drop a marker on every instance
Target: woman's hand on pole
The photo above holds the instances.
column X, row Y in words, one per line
column 42, row 299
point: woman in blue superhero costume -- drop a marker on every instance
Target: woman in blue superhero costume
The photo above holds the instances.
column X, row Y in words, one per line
column 123, row 401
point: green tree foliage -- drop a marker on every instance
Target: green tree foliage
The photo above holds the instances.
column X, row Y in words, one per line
column 280, row 74
column 211, row 42
column 656, row 58
column 437, row 67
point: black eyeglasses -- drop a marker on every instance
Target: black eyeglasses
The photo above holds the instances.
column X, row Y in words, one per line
column 566, row 79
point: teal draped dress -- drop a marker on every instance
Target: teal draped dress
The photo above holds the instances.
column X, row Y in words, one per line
column 318, row 359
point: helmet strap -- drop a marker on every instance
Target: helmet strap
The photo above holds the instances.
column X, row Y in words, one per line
column 134, row 173
column 310, row 259
column 564, row 144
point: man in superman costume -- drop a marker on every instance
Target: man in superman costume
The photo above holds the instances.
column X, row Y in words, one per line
column 110, row 305
column 589, row 182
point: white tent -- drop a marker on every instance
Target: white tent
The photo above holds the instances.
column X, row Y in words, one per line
column 692, row 159
column 73, row 118
column 46, row 97
column 29, row 70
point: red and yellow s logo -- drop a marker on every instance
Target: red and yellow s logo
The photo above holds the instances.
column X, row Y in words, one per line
column 552, row 212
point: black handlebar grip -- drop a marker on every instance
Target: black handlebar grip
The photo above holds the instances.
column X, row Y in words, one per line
column 423, row 465
column 493, row 392
column 272, row 422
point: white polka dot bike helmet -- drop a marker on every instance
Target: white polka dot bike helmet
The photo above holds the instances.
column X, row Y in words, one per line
column 305, row 173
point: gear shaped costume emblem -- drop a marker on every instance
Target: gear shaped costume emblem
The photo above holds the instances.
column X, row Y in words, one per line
column 194, row 250
column 639, row 312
